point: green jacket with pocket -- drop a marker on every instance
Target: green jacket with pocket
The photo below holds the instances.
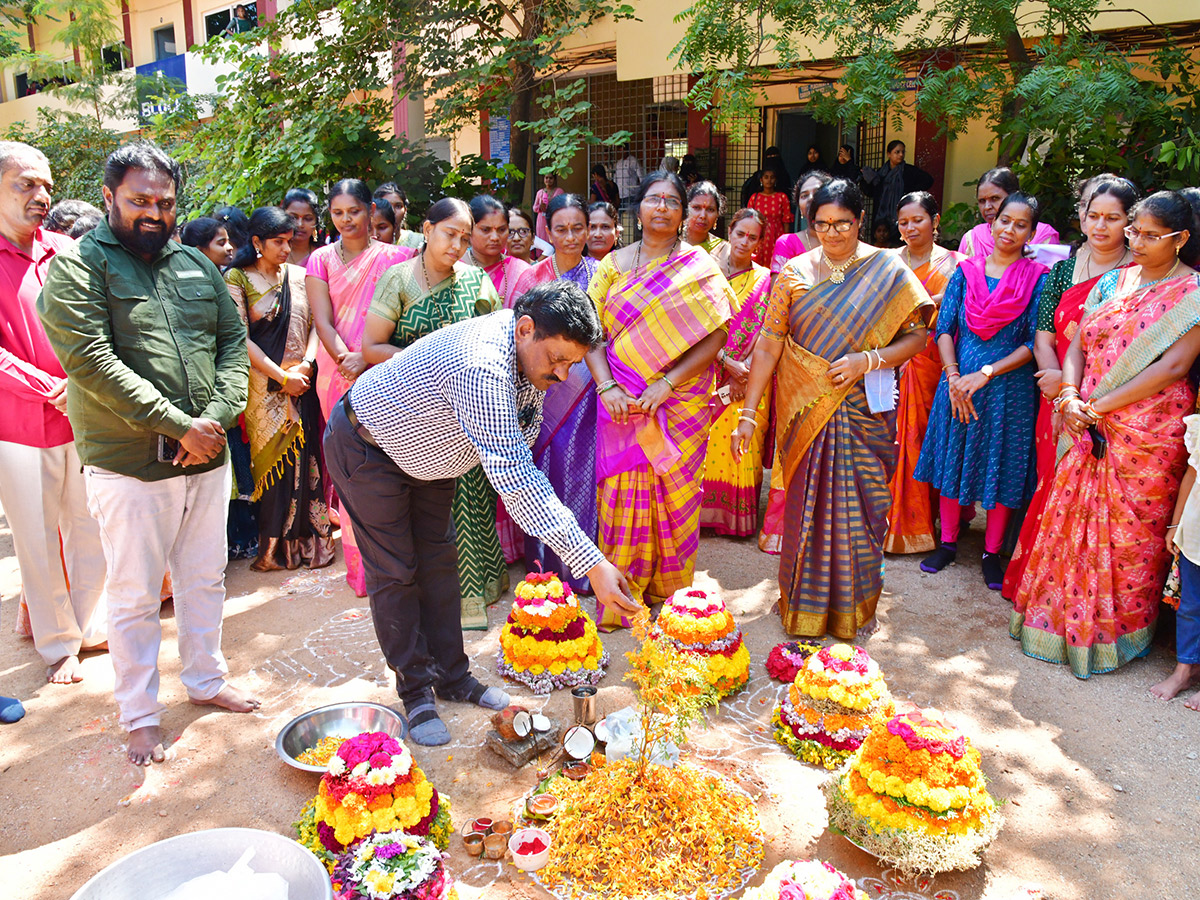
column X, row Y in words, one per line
column 147, row 347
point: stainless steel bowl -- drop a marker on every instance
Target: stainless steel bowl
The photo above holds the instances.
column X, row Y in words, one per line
column 155, row 871
column 345, row 720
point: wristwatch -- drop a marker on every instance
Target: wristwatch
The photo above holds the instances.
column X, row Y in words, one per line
column 987, row 371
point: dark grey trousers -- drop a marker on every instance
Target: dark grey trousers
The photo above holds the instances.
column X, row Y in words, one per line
column 406, row 536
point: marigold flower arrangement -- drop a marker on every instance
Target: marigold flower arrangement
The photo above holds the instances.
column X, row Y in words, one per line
column 392, row 866
column 831, row 706
column 700, row 625
column 372, row 785
column 788, row 658
column 637, row 830
column 549, row 642
column 914, row 794
column 807, row 879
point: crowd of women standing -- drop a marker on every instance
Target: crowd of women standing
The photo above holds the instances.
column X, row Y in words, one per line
column 891, row 393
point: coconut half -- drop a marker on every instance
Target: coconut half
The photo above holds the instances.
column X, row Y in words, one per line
column 522, row 724
column 540, row 722
column 579, row 742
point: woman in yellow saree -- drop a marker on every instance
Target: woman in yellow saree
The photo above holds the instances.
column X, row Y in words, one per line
column 837, row 313
column 663, row 305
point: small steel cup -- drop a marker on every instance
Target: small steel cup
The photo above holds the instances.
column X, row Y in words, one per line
column 584, row 699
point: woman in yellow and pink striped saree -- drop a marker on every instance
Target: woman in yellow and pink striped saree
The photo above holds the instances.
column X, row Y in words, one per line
column 665, row 321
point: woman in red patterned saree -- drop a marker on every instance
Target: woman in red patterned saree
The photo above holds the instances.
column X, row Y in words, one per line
column 1090, row 593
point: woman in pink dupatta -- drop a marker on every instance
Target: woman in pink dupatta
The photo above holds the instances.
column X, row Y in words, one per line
column 340, row 282
column 663, row 305
column 731, row 486
column 991, row 190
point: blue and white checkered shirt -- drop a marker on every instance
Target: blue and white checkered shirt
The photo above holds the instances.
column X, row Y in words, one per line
column 456, row 399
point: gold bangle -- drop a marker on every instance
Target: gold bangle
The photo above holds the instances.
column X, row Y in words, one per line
column 670, row 383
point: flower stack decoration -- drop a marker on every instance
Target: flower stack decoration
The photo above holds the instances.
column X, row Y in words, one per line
column 915, row 796
column 698, row 623
column 372, row 785
column 392, row 866
column 806, row 879
column 833, row 702
column 549, row 642
column 788, row 658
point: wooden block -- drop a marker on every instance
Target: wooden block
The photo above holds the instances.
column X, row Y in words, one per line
column 521, row 753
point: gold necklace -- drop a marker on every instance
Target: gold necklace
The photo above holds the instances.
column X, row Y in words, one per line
column 908, row 258
column 637, row 256
column 838, row 272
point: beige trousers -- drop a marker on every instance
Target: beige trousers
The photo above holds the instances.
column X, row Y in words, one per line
column 43, row 494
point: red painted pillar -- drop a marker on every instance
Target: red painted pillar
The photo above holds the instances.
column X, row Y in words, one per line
column 930, row 152
column 189, row 25
column 267, row 10
column 127, row 28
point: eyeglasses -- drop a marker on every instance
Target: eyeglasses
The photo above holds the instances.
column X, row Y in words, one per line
column 519, row 232
column 657, row 200
column 1133, row 234
column 841, row 226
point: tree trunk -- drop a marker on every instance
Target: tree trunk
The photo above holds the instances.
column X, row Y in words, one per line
column 522, row 107
column 1012, row 148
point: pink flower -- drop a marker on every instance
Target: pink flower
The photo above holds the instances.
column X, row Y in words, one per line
column 381, row 761
column 789, row 890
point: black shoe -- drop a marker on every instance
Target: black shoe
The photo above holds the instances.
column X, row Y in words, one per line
column 940, row 558
column 993, row 570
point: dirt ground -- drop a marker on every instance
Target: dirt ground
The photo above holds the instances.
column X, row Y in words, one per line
column 1101, row 781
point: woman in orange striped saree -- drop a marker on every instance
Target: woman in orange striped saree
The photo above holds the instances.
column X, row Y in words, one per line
column 1090, row 593
column 732, row 487
column 663, row 305
column 910, row 523
column 837, row 313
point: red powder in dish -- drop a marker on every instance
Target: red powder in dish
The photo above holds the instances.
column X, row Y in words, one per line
column 531, row 847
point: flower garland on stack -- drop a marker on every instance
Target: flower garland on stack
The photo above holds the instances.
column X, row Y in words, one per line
column 549, row 642
column 807, row 879
column 831, row 706
column 915, row 796
column 699, row 624
column 392, row 866
column 372, row 785
column 788, row 658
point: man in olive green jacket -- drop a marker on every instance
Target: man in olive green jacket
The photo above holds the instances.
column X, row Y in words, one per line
column 155, row 356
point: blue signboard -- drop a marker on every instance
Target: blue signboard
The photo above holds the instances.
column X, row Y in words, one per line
column 500, row 137
column 158, row 79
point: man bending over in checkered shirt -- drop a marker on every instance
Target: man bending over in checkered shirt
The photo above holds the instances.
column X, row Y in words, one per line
column 468, row 394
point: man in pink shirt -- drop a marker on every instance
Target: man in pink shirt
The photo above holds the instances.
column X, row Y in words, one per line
column 41, row 478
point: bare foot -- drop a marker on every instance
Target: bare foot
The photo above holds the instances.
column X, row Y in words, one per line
column 65, row 671
column 232, row 699
column 145, row 746
column 1193, row 702
column 1183, row 675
